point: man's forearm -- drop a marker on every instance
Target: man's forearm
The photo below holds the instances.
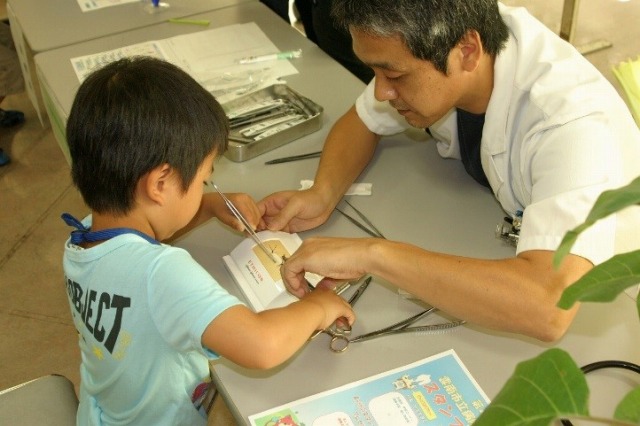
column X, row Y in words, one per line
column 347, row 151
column 517, row 295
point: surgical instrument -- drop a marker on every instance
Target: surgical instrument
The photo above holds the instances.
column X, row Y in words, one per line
column 257, row 118
column 339, row 289
column 369, row 228
column 359, row 292
column 340, row 340
column 294, row 158
column 234, row 210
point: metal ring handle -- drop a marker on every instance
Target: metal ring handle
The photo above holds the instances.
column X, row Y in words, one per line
column 342, row 329
column 339, row 343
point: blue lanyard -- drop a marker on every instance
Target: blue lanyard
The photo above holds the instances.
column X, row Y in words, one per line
column 82, row 234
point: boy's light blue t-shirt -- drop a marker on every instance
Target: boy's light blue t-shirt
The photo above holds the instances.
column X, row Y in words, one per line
column 141, row 310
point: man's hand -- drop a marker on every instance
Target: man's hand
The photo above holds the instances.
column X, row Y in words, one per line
column 294, row 211
column 337, row 259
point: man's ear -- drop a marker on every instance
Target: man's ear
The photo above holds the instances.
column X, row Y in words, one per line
column 471, row 50
column 157, row 183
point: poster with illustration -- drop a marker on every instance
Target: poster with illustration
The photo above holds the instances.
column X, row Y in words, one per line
column 438, row 390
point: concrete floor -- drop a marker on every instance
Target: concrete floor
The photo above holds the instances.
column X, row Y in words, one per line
column 36, row 332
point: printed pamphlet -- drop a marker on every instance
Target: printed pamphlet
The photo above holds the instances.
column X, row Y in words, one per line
column 438, row 390
column 256, row 273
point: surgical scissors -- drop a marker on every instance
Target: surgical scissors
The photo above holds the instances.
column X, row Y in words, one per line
column 340, row 340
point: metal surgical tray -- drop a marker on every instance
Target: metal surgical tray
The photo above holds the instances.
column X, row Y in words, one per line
column 242, row 148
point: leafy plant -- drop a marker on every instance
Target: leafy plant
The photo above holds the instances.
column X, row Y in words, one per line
column 551, row 386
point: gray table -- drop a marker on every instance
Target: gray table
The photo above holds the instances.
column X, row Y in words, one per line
column 444, row 210
column 41, row 25
column 58, row 82
column 417, row 197
column 48, row 25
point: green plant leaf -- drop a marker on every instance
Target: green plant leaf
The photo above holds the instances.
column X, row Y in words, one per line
column 605, row 281
column 608, row 202
column 629, row 408
column 540, row 390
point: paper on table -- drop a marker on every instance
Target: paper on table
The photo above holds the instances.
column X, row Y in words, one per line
column 84, row 65
column 209, row 56
column 208, row 60
column 354, row 189
column 89, row 5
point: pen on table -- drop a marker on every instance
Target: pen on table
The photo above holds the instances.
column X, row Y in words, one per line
column 292, row 54
column 294, row 158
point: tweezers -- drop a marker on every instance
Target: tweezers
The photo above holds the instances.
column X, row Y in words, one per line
column 234, row 210
column 295, row 158
column 367, row 227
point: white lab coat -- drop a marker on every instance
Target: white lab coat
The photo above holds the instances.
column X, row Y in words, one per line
column 556, row 135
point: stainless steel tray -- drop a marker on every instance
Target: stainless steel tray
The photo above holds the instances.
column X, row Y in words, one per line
column 242, row 148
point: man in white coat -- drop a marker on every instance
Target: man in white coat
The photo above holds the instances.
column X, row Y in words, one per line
column 528, row 116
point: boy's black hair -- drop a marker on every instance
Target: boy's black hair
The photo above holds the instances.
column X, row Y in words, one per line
column 132, row 116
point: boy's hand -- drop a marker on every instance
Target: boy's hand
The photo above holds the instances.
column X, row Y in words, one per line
column 333, row 306
column 244, row 203
column 212, row 205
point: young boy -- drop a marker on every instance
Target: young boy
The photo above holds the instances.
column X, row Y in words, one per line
column 143, row 136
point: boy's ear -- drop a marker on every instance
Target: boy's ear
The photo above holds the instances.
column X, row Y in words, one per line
column 157, row 183
column 471, row 50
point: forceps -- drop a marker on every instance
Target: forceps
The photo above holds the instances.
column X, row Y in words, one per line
column 354, row 298
column 340, row 340
column 334, row 330
column 367, row 227
column 234, row 210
